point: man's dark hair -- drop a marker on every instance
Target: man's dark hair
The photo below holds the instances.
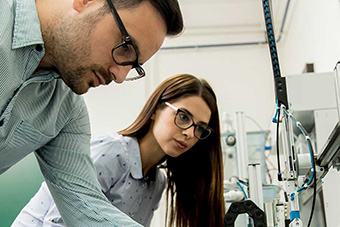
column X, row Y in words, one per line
column 169, row 9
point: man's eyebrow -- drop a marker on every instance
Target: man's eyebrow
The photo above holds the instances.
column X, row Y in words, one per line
column 188, row 112
column 135, row 43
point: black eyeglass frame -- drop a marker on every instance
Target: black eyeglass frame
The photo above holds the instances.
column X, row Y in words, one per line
column 127, row 40
column 178, row 110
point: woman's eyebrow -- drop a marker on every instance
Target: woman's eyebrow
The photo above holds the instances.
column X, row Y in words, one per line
column 188, row 112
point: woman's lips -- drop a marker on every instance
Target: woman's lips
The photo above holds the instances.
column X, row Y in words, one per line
column 181, row 144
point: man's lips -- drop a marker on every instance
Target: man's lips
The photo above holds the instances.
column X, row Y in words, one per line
column 100, row 79
column 113, row 76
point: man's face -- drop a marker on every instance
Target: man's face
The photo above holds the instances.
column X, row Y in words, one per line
column 83, row 54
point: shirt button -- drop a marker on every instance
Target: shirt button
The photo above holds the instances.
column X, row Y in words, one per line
column 38, row 48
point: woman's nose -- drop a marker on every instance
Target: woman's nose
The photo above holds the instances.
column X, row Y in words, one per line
column 189, row 132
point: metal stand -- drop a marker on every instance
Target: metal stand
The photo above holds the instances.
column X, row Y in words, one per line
column 337, row 87
column 242, row 148
column 255, row 184
column 290, row 173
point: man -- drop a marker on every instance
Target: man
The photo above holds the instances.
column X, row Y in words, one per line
column 50, row 51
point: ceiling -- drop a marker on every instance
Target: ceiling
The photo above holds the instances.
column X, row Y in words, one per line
column 231, row 21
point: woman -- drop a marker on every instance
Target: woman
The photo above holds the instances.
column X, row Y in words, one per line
column 178, row 130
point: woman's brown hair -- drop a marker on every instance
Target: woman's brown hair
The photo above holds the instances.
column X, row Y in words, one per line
column 195, row 179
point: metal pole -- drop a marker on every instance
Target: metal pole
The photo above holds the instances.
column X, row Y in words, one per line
column 242, row 148
column 337, row 87
column 290, row 173
column 255, row 184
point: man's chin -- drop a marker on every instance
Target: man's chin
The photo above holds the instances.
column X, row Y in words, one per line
column 77, row 86
column 79, row 93
column 79, row 90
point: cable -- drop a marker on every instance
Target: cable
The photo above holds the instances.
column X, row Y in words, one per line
column 308, row 140
column 245, row 195
column 281, row 97
column 314, row 199
column 274, row 120
column 244, row 183
column 313, row 171
column 279, row 174
column 313, row 203
column 268, row 173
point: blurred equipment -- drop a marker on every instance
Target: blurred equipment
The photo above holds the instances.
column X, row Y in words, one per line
column 248, row 207
column 314, row 99
column 319, row 113
column 330, row 154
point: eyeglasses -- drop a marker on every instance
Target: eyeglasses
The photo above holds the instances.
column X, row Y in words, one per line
column 184, row 121
column 126, row 52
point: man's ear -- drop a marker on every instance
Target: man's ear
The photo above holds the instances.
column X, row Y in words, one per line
column 79, row 5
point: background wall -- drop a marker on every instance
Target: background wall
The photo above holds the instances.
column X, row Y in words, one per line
column 313, row 36
column 240, row 75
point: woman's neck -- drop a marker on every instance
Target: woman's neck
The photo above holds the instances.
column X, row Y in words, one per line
column 150, row 151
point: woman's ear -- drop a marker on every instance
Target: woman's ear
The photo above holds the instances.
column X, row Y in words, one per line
column 153, row 116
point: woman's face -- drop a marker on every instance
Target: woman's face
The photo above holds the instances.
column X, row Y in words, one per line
column 171, row 139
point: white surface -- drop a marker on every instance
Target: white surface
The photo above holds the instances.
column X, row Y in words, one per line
column 311, row 91
column 325, row 121
column 337, row 87
column 331, row 190
column 313, row 37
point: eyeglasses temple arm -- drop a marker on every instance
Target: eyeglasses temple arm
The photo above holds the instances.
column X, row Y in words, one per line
column 118, row 20
column 172, row 106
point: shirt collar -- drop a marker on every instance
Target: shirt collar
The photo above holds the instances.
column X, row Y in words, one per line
column 134, row 157
column 26, row 25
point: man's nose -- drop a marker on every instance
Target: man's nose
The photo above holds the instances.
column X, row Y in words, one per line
column 119, row 72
